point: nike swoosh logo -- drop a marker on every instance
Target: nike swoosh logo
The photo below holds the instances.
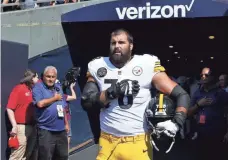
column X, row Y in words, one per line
column 145, row 150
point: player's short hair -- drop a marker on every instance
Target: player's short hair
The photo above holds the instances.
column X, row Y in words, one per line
column 120, row 31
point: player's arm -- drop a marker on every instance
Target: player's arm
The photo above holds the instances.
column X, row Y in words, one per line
column 91, row 95
column 165, row 85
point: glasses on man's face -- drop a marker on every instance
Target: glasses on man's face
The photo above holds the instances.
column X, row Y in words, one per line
column 206, row 75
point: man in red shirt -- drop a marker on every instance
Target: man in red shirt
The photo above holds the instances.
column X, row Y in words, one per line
column 20, row 111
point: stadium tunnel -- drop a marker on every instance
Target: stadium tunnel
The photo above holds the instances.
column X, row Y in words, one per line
column 185, row 45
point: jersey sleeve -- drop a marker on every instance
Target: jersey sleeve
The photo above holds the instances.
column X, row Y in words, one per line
column 92, row 67
column 157, row 65
column 90, row 71
column 154, row 63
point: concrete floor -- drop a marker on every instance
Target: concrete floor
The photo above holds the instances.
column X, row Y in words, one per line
column 89, row 153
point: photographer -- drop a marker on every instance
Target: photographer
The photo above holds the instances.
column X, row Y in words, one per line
column 68, row 111
column 69, row 83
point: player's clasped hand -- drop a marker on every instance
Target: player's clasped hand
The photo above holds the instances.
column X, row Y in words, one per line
column 168, row 127
column 123, row 88
column 135, row 87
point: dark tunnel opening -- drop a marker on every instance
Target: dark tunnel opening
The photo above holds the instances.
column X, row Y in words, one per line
column 192, row 48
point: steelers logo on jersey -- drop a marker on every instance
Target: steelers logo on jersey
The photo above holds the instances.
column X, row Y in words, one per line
column 101, row 72
column 137, row 71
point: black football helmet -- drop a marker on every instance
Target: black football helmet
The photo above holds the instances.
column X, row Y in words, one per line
column 160, row 109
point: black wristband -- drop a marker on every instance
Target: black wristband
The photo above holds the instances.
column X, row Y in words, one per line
column 180, row 118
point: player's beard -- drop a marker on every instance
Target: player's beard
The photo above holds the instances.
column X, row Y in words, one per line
column 119, row 60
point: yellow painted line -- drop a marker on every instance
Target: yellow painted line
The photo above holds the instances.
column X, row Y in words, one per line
column 81, row 145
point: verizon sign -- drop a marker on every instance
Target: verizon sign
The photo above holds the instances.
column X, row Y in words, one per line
column 150, row 12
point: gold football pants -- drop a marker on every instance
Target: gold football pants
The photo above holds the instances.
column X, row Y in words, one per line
column 124, row 148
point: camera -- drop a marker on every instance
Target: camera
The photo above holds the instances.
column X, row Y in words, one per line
column 71, row 77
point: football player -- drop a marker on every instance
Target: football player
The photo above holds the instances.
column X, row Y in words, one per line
column 120, row 85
